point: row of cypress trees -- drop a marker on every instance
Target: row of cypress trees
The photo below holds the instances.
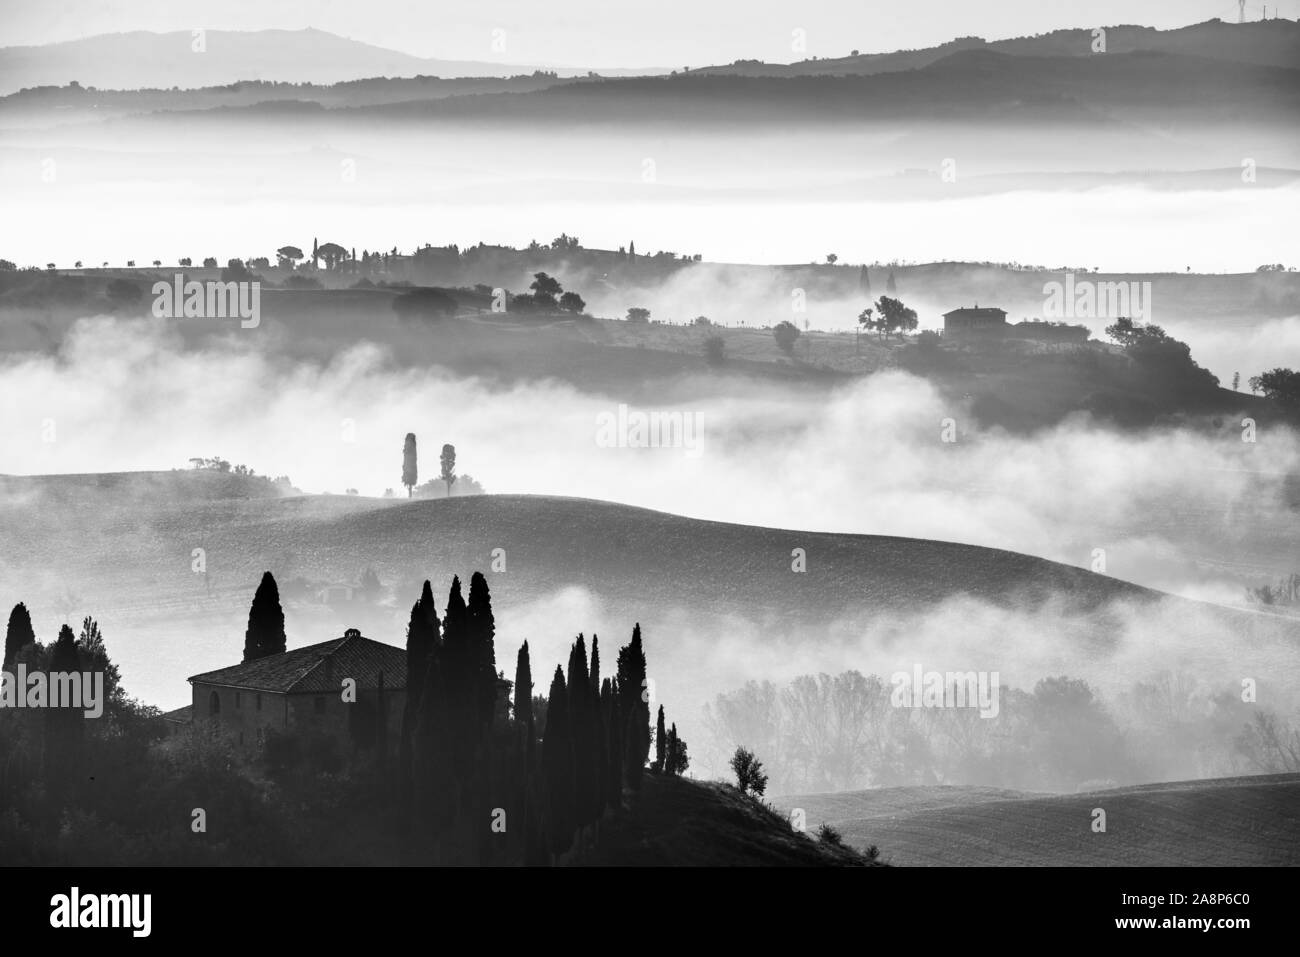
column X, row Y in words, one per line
column 532, row 781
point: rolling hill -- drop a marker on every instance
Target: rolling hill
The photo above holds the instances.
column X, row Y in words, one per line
column 1243, row 821
column 122, row 547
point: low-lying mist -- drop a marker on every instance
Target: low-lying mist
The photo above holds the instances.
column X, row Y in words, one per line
column 1198, row 512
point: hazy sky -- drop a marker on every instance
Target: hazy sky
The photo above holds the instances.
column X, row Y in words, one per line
column 668, row 33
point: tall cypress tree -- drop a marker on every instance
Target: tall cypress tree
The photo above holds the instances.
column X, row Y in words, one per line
column 595, row 664
column 523, row 688
column 421, row 646
column 635, row 706
column 661, row 741
column 432, row 749
column 265, row 634
column 410, row 465
column 557, row 767
column 64, row 725
column 459, row 673
column 584, row 769
column 482, row 627
column 613, row 729
column 19, row 633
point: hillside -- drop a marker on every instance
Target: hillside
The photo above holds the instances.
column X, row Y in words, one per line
column 677, row 822
column 1266, row 42
column 1245, row 821
column 122, row 548
column 970, row 87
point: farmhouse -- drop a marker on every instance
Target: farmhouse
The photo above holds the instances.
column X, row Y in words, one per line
column 302, row 692
column 974, row 321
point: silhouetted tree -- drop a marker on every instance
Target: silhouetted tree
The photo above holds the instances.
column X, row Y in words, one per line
column 661, row 741
column 750, row 776
column 422, row 634
column 786, row 334
column 19, row 633
column 894, row 316
column 557, row 767
column 482, row 634
column 523, row 687
column 1281, row 385
column 634, row 693
column 448, row 462
column 614, row 746
column 582, row 725
column 410, row 465
column 676, row 760
column 265, row 634
column 545, row 288
column 65, row 724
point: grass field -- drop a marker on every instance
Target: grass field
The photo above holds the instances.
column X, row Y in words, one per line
column 1244, row 821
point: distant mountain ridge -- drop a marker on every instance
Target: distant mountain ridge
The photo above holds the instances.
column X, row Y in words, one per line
column 145, row 60
column 1261, row 42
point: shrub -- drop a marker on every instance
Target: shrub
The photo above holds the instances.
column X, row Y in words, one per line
column 750, row 776
column 424, row 304
column 828, row 835
column 786, row 334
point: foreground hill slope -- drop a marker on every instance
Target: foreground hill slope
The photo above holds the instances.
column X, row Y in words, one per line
column 677, row 822
column 1244, row 821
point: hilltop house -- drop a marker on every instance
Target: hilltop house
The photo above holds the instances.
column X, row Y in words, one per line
column 301, row 691
column 974, row 320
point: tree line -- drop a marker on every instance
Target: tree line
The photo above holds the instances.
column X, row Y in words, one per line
column 484, row 780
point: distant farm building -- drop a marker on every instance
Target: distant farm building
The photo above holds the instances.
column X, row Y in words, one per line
column 973, row 320
column 990, row 322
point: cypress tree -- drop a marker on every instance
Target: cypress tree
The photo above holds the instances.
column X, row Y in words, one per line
column 265, row 634
column 432, row 750
column 19, row 633
column 459, row 674
column 580, row 721
column 661, row 741
column 557, row 767
column 523, row 688
column 613, row 784
column 410, row 465
column 635, row 706
column 64, row 725
column 482, row 628
column 676, row 760
column 421, row 645
column 595, row 665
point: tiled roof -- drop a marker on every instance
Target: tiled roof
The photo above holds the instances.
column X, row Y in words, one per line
column 976, row 311
column 317, row 668
column 180, row 715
